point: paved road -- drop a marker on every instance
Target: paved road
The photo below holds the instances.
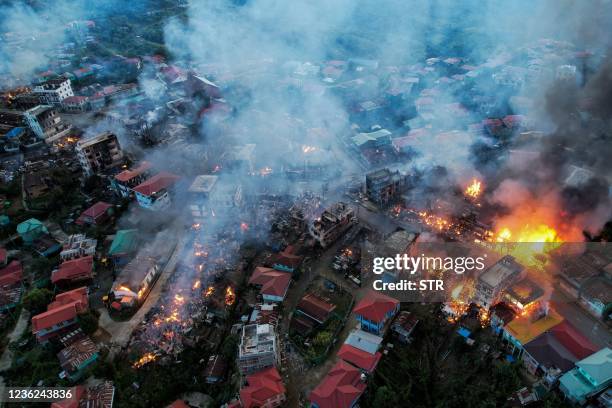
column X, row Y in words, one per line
column 121, row 331
column 7, row 355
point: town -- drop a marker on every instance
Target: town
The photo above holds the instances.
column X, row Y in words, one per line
column 197, row 205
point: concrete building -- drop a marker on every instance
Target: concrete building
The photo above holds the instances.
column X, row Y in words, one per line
column 99, row 154
column 155, row 193
column 494, row 280
column 258, row 348
column 124, row 182
column 46, row 123
column 590, row 376
column 334, row 221
column 208, row 193
column 384, row 187
column 54, row 91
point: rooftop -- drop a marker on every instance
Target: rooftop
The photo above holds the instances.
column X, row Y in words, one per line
column 340, row 388
column 203, row 183
column 127, row 175
column 525, row 328
column 262, row 386
column 500, row 271
column 257, row 338
column 359, row 358
column 272, row 282
column 79, row 268
column 375, row 306
column 316, row 307
column 157, row 183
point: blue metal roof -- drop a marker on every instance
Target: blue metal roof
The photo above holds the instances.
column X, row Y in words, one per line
column 15, row 132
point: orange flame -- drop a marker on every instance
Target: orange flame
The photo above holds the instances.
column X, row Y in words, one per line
column 230, row 296
column 145, row 359
column 474, row 190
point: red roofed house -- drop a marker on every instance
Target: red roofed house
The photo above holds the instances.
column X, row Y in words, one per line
column 154, row 193
column 96, row 396
column 97, row 214
column 75, row 104
column 11, row 274
column 316, row 308
column 265, row 389
column 3, row 257
column 274, row 284
column 556, row 351
column 359, row 358
column 341, row 388
column 125, row 181
column 60, row 315
column 178, row 404
column 75, row 270
column 287, row 260
column 374, row 310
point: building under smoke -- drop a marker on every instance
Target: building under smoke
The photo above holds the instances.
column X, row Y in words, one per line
column 384, row 186
column 332, row 223
column 492, row 282
column 100, row 154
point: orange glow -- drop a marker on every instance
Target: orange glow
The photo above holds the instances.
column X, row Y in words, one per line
column 244, row 226
column 179, row 300
column 266, row 171
column 474, row 190
column 209, row 291
column 196, row 284
column 230, row 296
column 145, row 359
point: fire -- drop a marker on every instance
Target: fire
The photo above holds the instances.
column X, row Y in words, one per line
column 196, row 284
column 435, row 221
column 230, row 296
column 308, row 149
column 124, row 288
column 484, row 317
column 174, row 317
column 266, row 171
column 216, row 169
column 196, row 226
column 209, row 291
column 474, row 190
column 529, row 242
column 179, row 300
column 244, row 226
column 458, row 309
column 141, row 293
column 145, row 359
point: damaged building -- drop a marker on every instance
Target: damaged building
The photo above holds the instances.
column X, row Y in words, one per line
column 332, row 223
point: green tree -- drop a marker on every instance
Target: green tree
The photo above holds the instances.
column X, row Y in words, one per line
column 88, row 322
column 229, row 346
column 385, row 398
column 36, row 300
column 322, row 338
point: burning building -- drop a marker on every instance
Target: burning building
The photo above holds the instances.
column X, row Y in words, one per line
column 332, row 223
column 209, row 194
column 523, row 296
column 99, row 154
column 384, row 186
column 258, row 348
column 492, row 282
column 134, row 283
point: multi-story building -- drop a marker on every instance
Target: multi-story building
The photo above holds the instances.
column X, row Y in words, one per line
column 46, row 123
column 590, row 376
column 155, row 193
column 494, row 280
column 258, row 348
column 54, row 91
column 60, row 315
column 384, row 186
column 124, row 182
column 332, row 223
column 99, row 154
column 208, row 194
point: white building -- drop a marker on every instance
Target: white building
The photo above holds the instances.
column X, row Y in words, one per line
column 210, row 194
column 494, row 280
column 258, row 348
column 54, row 91
column 155, row 193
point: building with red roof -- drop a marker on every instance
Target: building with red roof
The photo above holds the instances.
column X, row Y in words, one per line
column 265, row 389
column 273, row 284
column 359, row 358
column 287, row 260
column 11, row 274
column 341, row 388
column 61, row 314
column 97, row 214
column 154, row 193
column 374, row 310
column 125, row 181
column 557, row 350
column 178, row 404
column 97, row 396
column 75, row 270
column 315, row 308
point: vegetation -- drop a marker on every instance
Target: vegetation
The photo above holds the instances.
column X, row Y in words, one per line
column 36, row 300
